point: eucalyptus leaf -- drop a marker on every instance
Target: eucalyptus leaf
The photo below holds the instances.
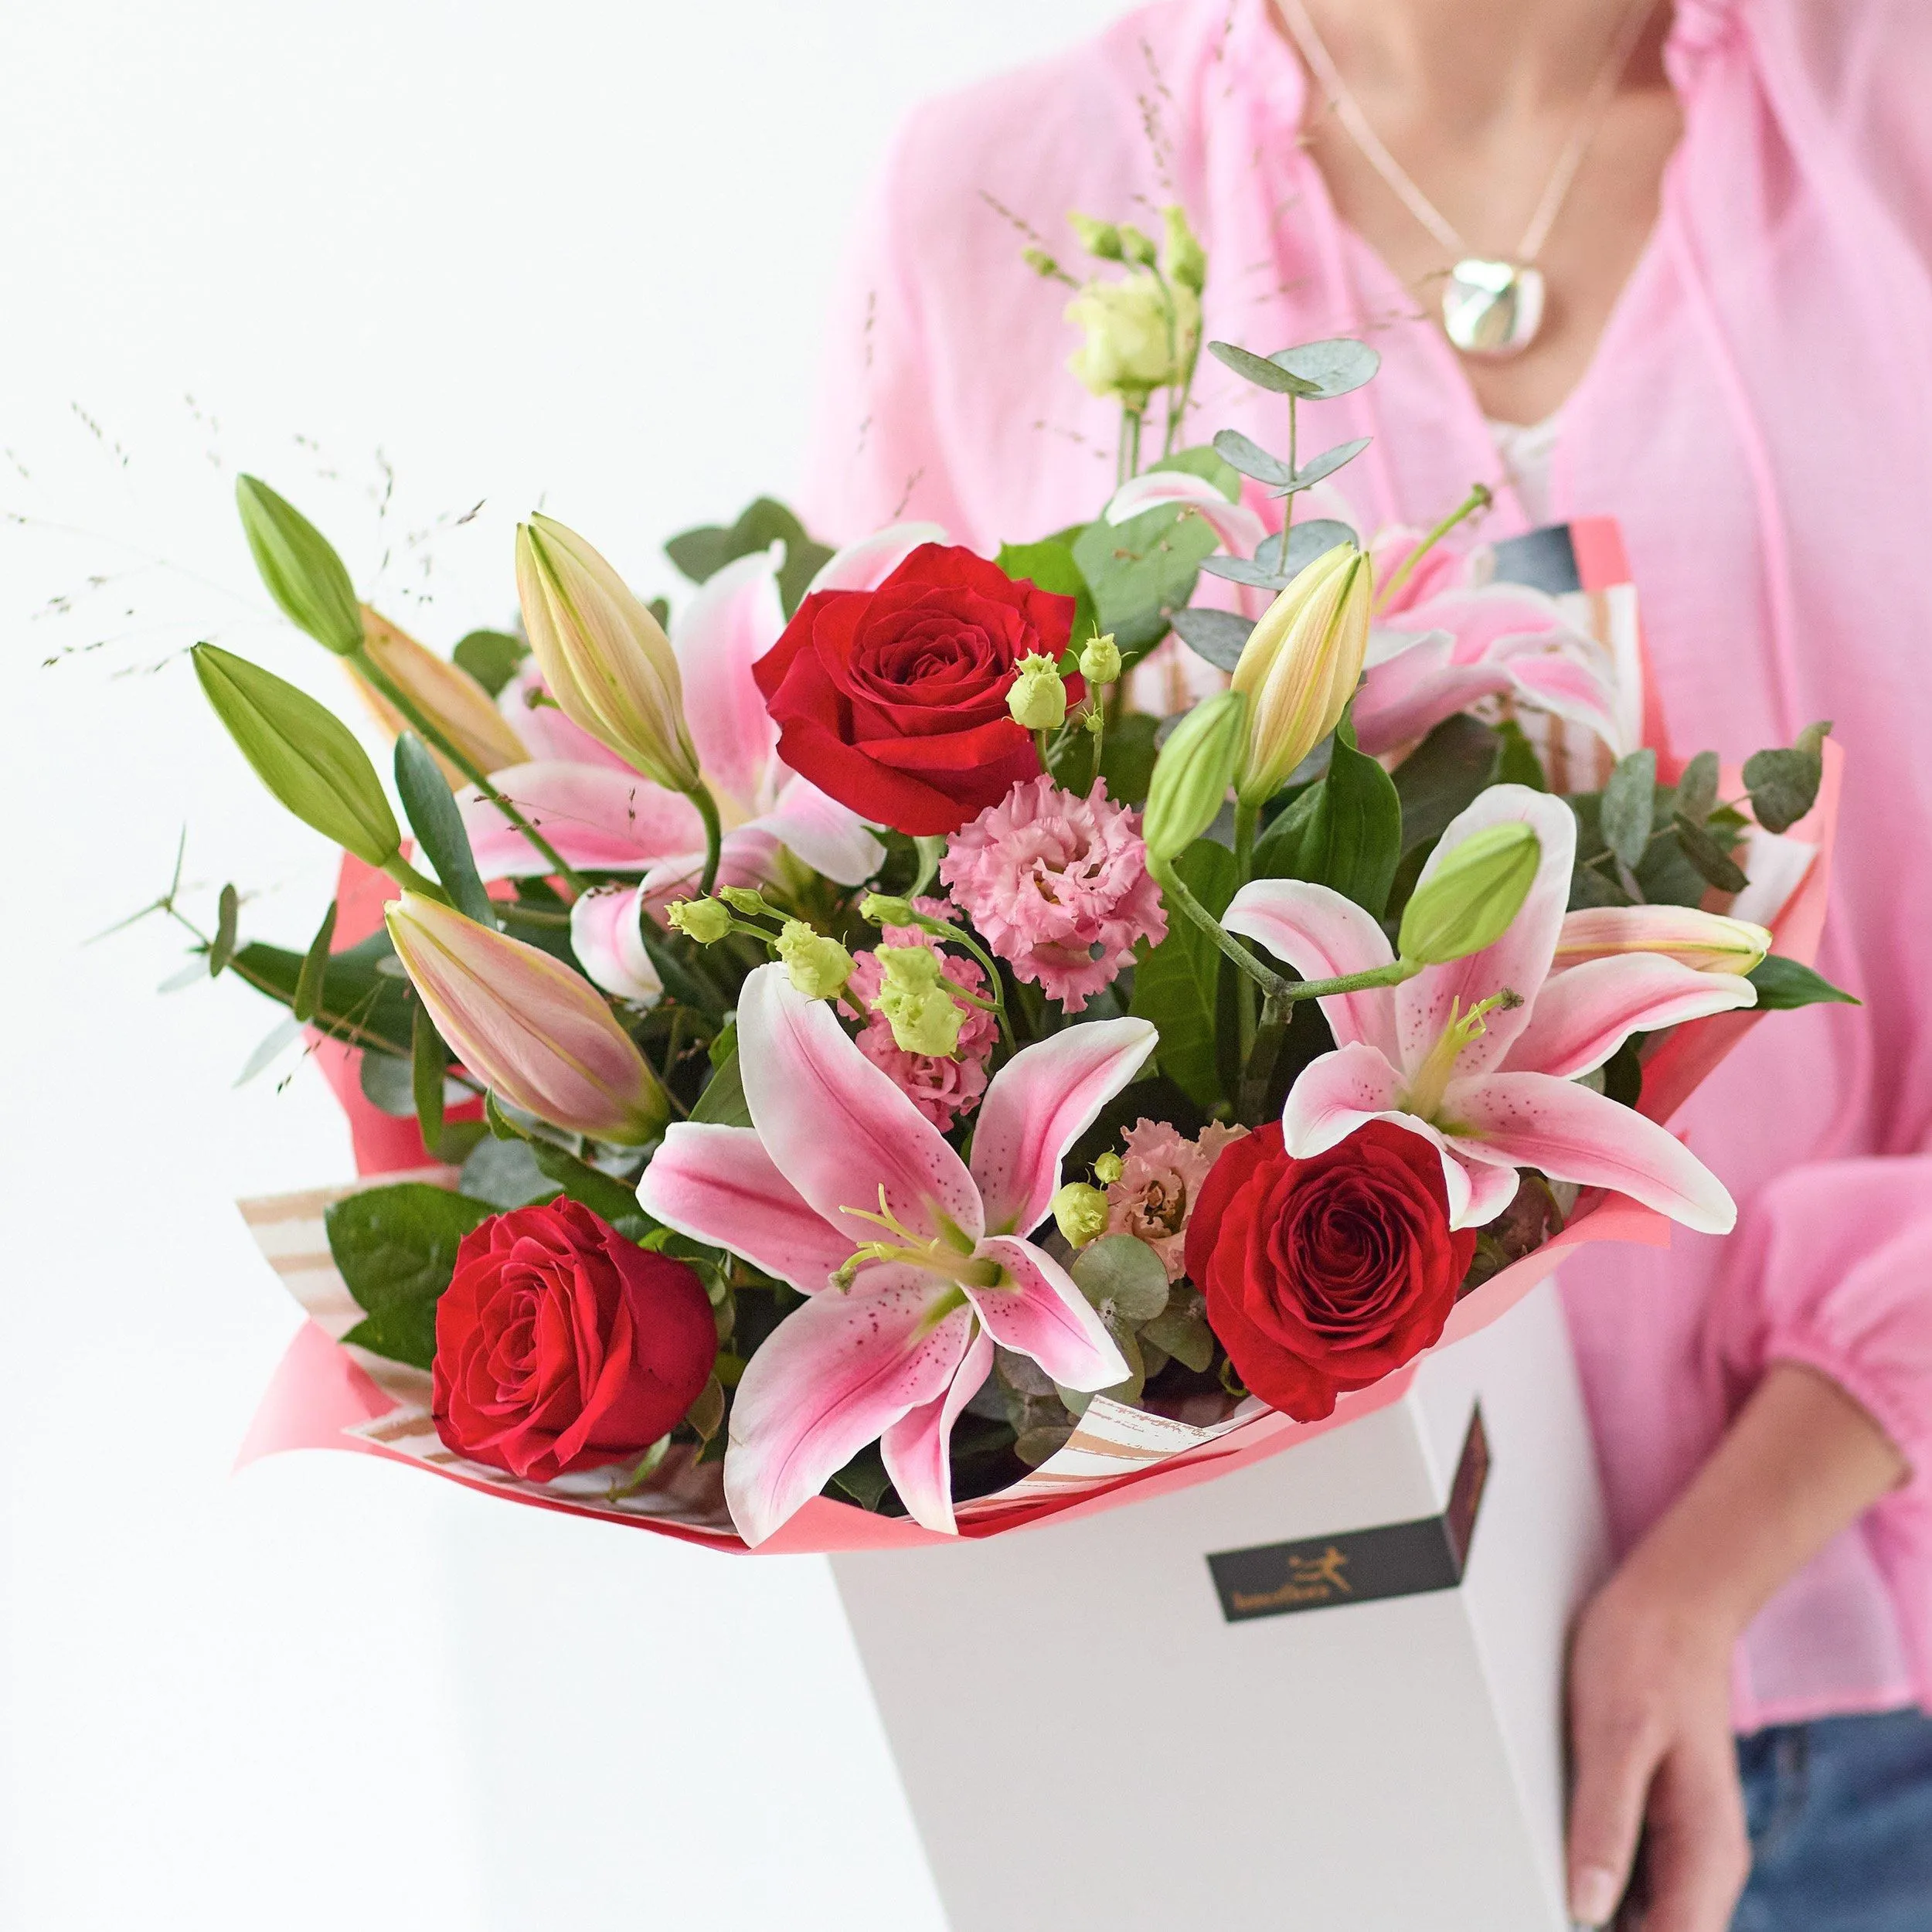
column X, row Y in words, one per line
column 1783, row 985
column 193, row 974
column 1783, row 784
column 1123, row 1272
column 1309, row 540
column 1181, row 1330
column 1263, row 371
column 1240, row 570
column 1177, row 985
column 227, row 917
column 308, row 981
column 394, row 1248
column 1712, row 861
column 1697, row 787
column 1333, row 367
column 1316, row 468
column 1628, row 807
column 1443, row 777
column 1345, row 833
column 430, row 807
column 505, row 1173
column 1216, row 635
column 1249, row 458
column 607, row 1198
column 491, row 657
column 281, row 1035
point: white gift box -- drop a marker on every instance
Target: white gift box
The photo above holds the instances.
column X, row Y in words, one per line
column 1324, row 1689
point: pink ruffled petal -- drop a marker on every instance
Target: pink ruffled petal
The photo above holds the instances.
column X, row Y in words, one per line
column 830, row 838
column 1239, row 527
column 719, row 1185
column 837, row 1127
column 1532, row 1120
column 832, row 1376
column 916, row 1448
column 1584, row 1014
column 865, row 565
column 1519, row 961
column 1039, row 1103
column 599, row 818
column 1039, row 1312
column 1322, row 936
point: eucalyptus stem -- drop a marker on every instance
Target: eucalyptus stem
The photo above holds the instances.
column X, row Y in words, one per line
column 700, row 796
column 1478, row 498
column 1287, row 501
column 437, row 737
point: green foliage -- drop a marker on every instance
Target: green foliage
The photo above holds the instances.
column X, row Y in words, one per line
column 491, row 657
column 438, row 825
column 1443, row 776
column 701, row 553
column 428, row 1059
column 505, row 1173
column 608, row 1197
column 1783, row 985
column 1123, row 1277
column 1142, row 571
column 1127, row 757
column 308, row 980
column 1629, row 799
column 1783, row 784
column 1344, row 831
column 227, row 918
column 396, row 1250
column 1050, row 566
column 1177, row 985
column 722, row 1102
column 300, row 568
column 358, row 1001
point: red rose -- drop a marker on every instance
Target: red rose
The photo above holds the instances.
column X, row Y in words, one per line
column 894, row 700
column 1326, row 1273
column 561, row 1345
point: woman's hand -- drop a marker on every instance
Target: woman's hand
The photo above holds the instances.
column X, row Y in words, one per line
column 1649, row 1703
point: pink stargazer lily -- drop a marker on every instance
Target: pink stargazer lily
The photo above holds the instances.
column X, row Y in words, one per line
column 840, row 1176
column 602, row 816
column 1482, row 1056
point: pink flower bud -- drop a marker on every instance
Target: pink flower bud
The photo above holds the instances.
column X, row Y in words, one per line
column 540, row 1035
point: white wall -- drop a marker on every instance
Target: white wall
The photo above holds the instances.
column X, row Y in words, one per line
column 571, row 253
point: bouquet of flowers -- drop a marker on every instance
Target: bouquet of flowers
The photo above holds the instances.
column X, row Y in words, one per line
column 911, row 1040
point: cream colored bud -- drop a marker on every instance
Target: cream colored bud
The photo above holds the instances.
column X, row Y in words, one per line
column 818, row 966
column 1108, row 1169
column 1079, row 1212
column 445, row 693
column 1139, row 336
column 1100, row 660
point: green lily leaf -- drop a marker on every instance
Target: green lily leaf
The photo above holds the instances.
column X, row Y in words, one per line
column 1177, row 985
column 1784, row 985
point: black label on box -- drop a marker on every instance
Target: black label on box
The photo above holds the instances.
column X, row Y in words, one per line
column 1395, row 1559
column 1544, row 560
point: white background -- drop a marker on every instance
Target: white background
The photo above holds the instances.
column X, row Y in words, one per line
column 575, row 254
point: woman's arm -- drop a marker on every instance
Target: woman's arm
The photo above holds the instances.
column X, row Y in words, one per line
column 1650, row 1671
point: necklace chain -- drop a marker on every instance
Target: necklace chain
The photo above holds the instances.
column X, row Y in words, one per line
column 1347, row 111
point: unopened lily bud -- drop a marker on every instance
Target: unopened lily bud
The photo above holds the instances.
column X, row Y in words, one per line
column 1108, row 1169
column 303, row 752
column 521, row 1020
column 1470, row 894
column 923, row 1015
column 819, row 966
column 300, row 567
column 704, row 919
column 1037, row 697
column 1186, row 259
column 604, row 658
column 446, row 695
column 1192, row 775
column 1100, row 660
column 1099, row 238
column 1137, row 247
column 1707, row 942
column 746, row 900
column 879, row 910
column 1079, row 1212
column 1299, row 667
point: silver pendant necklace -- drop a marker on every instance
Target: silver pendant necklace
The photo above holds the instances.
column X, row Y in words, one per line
column 1491, row 307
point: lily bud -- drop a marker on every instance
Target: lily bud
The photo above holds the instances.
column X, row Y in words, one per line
column 445, row 693
column 1037, row 697
column 818, row 966
column 1469, row 899
column 1191, row 775
column 303, row 573
column 604, row 658
column 704, row 919
column 1099, row 238
column 1186, row 259
column 535, row 1032
column 1708, row 942
column 1079, row 1212
column 923, row 1015
column 303, row 752
column 1299, row 667
column 1100, row 660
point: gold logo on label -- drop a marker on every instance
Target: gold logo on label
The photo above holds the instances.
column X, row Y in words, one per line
column 1311, row 1580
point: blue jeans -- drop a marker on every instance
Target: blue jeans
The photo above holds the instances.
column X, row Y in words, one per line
column 1841, row 1822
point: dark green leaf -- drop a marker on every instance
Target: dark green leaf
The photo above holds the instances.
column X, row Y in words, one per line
column 1249, row 458
column 1785, row 984
column 308, row 981
column 428, row 1059
column 1176, row 986
column 431, row 811
column 491, row 657
column 1442, row 776
column 1142, row 571
column 1049, row 567
column 722, row 1102
column 682, row 971
column 396, row 1249
column 358, row 1003
column 227, row 916
column 863, row 1480
column 1518, row 763
column 700, row 554
column 1348, row 839
column 1697, row 787
column 1627, row 810
column 1216, row 635
column 505, row 1173
column 607, row 1198
column 1262, row 372
column 1623, row 1074
column 1783, row 784
column 1713, row 862
column 1126, row 758
column 1333, row 367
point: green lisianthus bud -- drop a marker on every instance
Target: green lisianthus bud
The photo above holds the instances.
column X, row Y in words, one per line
column 880, row 909
column 746, row 900
column 1108, row 1169
column 923, row 1013
column 1186, row 259
column 1037, row 697
column 818, row 965
column 1469, row 894
column 1041, row 263
column 1137, row 247
column 303, row 752
column 1100, row 660
column 704, row 919
column 1192, row 775
column 303, row 573
column 1099, row 238
column 1080, row 1213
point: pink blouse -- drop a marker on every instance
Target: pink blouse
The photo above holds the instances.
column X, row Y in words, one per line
column 1758, row 417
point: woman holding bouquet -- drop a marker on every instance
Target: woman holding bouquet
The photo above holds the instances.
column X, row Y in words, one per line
column 1671, row 267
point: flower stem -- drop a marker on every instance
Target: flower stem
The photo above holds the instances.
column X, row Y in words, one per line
column 1478, row 498
column 1245, row 817
column 406, row 876
column 939, row 929
column 439, row 738
column 1169, row 881
column 700, row 796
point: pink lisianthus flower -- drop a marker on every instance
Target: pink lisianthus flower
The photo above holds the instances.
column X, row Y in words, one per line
column 1160, row 1181
column 943, row 1086
column 1058, row 885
